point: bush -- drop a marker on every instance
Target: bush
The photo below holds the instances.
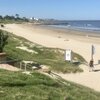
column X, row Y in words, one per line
column 3, row 40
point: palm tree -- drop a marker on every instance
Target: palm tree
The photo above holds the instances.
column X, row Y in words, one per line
column 17, row 15
column 3, row 40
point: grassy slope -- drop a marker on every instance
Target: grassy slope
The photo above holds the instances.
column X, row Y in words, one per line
column 52, row 57
column 18, row 86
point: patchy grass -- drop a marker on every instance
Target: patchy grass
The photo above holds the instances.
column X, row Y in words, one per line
column 19, row 86
column 52, row 57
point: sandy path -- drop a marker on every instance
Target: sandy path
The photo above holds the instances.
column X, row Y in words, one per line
column 8, row 67
column 79, row 44
column 88, row 79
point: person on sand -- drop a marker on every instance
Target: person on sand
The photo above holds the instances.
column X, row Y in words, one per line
column 91, row 65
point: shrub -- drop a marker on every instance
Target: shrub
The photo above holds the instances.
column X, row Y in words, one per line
column 3, row 40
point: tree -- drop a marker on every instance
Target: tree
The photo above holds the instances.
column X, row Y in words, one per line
column 1, row 17
column 3, row 40
column 25, row 19
column 17, row 15
column 7, row 17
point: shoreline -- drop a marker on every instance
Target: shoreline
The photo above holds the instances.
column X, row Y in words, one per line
column 66, row 33
column 55, row 39
column 65, row 30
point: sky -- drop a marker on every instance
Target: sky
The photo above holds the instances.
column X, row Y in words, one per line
column 56, row 9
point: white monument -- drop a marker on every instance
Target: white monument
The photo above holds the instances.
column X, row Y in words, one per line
column 68, row 55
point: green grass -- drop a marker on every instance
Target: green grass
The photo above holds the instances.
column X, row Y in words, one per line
column 19, row 86
column 52, row 57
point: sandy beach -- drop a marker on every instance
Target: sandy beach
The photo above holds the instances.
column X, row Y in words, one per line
column 79, row 42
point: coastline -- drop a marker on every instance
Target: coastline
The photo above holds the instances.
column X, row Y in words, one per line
column 83, row 36
column 80, row 44
column 78, row 41
column 81, row 32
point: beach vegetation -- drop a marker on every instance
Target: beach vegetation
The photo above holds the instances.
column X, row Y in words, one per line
column 3, row 39
column 51, row 57
column 12, row 19
column 37, row 86
column 17, row 15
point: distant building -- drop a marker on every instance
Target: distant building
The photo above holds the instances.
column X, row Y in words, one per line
column 33, row 18
column 36, row 19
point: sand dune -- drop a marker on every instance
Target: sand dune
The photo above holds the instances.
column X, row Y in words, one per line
column 88, row 79
column 79, row 42
column 51, row 38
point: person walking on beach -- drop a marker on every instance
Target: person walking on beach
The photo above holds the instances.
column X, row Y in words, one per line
column 91, row 65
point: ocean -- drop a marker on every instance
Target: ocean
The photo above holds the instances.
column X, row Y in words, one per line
column 82, row 25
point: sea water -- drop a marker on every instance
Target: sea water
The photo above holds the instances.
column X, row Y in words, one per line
column 82, row 25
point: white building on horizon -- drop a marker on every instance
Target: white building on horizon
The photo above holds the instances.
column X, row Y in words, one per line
column 33, row 18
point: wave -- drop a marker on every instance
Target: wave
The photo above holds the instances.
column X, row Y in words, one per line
column 78, row 26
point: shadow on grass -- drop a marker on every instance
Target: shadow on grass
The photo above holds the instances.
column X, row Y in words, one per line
column 14, row 84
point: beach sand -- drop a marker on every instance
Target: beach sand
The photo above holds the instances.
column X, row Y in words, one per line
column 79, row 42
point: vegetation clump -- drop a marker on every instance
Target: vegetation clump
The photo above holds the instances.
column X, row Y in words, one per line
column 19, row 86
column 13, row 19
column 3, row 39
column 52, row 57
